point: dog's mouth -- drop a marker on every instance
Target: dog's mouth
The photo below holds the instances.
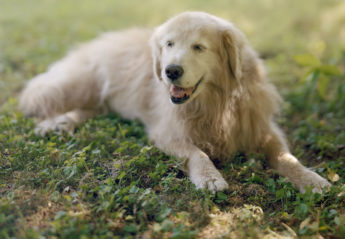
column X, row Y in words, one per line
column 180, row 95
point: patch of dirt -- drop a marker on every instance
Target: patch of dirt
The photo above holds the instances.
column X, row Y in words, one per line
column 42, row 217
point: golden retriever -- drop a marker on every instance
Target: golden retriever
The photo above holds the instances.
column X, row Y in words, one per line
column 195, row 83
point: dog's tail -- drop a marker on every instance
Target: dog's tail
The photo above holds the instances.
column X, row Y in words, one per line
column 67, row 85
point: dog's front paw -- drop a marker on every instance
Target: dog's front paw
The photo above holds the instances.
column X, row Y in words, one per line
column 210, row 179
column 312, row 179
column 61, row 123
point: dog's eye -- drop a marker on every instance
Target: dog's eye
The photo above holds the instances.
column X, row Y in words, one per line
column 198, row 47
column 170, row 43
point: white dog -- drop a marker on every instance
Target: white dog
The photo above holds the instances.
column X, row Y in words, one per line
column 195, row 83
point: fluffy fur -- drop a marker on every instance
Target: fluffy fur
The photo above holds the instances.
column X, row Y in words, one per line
column 230, row 109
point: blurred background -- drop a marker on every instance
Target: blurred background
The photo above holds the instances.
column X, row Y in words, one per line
column 302, row 42
column 33, row 33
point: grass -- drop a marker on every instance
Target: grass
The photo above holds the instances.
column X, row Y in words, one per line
column 108, row 181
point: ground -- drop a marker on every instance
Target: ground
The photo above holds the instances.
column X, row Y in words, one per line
column 108, row 181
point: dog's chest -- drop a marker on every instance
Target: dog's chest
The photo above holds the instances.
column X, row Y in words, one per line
column 215, row 137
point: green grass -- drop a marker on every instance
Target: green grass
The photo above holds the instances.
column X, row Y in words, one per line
column 108, row 180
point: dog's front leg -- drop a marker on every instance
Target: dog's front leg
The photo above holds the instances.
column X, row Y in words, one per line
column 200, row 168
column 204, row 174
column 288, row 165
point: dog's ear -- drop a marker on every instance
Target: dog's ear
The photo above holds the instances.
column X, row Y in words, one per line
column 156, row 55
column 233, row 41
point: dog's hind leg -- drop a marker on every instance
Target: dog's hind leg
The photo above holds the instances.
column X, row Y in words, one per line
column 69, row 84
column 67, row 94
column 66, row 122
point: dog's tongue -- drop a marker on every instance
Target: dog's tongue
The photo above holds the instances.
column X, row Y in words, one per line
column 179, row 92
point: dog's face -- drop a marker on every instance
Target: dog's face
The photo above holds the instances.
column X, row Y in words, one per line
column 187, row 59
column 187, row 50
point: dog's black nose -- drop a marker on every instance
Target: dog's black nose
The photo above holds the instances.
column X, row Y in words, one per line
column 173, row 71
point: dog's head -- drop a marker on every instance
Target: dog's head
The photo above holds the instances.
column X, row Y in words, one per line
column 191, row 48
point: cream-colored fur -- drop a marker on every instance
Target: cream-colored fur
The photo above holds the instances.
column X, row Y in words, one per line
column 231, row 108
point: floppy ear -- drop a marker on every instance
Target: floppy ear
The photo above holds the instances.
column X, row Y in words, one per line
column 156, row 56
column 232, row 42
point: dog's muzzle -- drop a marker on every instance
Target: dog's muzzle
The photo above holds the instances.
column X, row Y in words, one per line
column 180, row 95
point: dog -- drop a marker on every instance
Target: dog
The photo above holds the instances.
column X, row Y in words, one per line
column 194, row 82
